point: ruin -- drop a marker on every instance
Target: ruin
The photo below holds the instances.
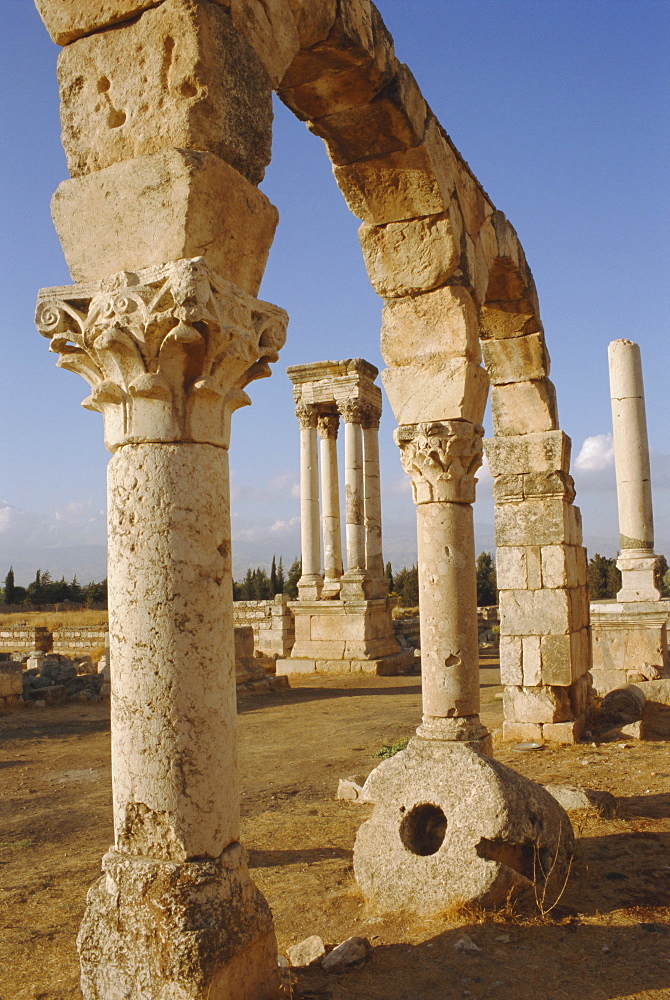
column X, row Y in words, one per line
column 166, row 111
column 343, row 619
column 630, row 638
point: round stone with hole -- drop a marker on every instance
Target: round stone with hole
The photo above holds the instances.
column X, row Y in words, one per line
column 453, row 825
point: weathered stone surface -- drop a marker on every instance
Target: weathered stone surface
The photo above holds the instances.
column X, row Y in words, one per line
column 393, row 120
column 182, row 75
column 66, row 20
column 537, row 522
column 11, row 679
column 346, row 69
column 351, row 952
column 348, row 789
column 401, row 185
column 557, row 655
column 524, row 407
column 403, row 258
column 535, row 612
column 511, row 668
column 532, row 663
column 533, row 485
column 183, row 204
column 271, row 29
column 306, row 952
column 566, row 733
column 454, row 389
column 623, row 704
column 522, row 731
column 536, row 704
column 547, row 451
column 448, row 824
column 516, row 359
column 189, row 930
column 437, row 326
column 574, row 799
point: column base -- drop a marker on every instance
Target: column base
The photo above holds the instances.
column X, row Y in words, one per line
column 356, row 586
column 638, row 576
column 310, row 587
column 465, row 729
column 450, row 824
column 193, row 930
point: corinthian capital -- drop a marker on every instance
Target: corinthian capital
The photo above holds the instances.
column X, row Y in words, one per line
column 328, row 424
column 167, row 351
column 353, row 411
column 307, row 415
column 441, row 459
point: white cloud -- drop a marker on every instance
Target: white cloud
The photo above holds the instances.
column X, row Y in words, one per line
column 76, row 523
column 597, row 453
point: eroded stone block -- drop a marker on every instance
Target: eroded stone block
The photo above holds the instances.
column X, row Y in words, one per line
column 182, row 75
column 532, row 663
column 536, row 704
column 534, row 612
column 511, row 667
column 451, row 390
column 402, row 185
column 435, row 326
column 524, row 407
column 66, row 20
column 403, row 258
column 516, row 359
column 547, row 451
column 271, row 29
column 394, row 120
column 164, row 207
column 533, row 522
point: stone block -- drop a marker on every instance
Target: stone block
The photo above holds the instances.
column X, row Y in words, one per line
column 271, row 30
column 557, row 656
column 555, row 567
column 180, row 76
column 402, row 185
column 533, row 522
column 417, row 255
column 536, row 704
column 66, row 20
column 516, row 359
column 547, row 451
column 532, row 663
column 296, row 666
column 566, row 733
column 161, row 208
column 436, row 326
column 511, row 570
column 455, row 389
column 580, row 694
column 11, row 679
column 524, row 407
column 346, row 69
column 534, row 612
column 534, row 567
column 579, row 607
column 521, row 731
column 393, row 120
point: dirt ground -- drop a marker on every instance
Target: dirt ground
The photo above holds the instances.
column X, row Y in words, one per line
column 607, row 939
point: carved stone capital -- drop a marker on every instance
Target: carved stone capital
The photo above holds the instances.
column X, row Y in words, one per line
column 328, row 425
column 307, row 415
column 354, row 411
column 371, row 417
column 167, row 350
column 441, row 459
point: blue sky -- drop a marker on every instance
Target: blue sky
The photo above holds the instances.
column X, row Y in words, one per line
column 561, row 109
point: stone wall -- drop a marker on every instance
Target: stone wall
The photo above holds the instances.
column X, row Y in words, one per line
column 76, row 640
column 272, row 622
column 22, row 639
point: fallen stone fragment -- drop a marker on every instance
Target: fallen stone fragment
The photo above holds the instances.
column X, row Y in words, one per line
column 624, row 704
column 573, row 798
column 351, row 952
column 636, row 730
column 306, row 951
column 466, row 943
column 349, row 789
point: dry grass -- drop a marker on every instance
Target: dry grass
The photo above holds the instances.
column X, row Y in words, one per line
column 53, row 619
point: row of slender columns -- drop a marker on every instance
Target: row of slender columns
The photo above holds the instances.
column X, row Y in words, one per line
column 362, row 499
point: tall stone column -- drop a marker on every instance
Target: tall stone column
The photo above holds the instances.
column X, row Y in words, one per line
column 442, row 459
column 330, row 499
column 167, row 352
column 311, row 581
column 637, row 561
column 355, row 580
column 374, row 560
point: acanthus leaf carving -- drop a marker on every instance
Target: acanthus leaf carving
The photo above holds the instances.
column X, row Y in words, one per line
column 441, row 459
column 167, row 351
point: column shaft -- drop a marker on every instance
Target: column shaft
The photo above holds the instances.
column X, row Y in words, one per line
column 174, row 770
column 374, row 560
column 330, row 499
column 311, row 581
column 354, row 496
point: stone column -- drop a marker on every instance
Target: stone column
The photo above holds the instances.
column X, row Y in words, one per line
column 168, row 351
column 441, row 459
column 374, row 560
column 330, row 498
column 637, row 561
column 355, row 580
column 311, row 581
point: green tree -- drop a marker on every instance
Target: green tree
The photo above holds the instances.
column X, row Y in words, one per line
column 604, row 578
column 10, row 589
column 294, row 574
column 281, row 577
column 406, row 586
column 487, row 586
column 388, row 573
column 662, row 576
column 273, row 577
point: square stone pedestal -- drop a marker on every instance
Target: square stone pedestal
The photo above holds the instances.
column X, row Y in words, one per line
column 630, row 642
column 345, row 637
